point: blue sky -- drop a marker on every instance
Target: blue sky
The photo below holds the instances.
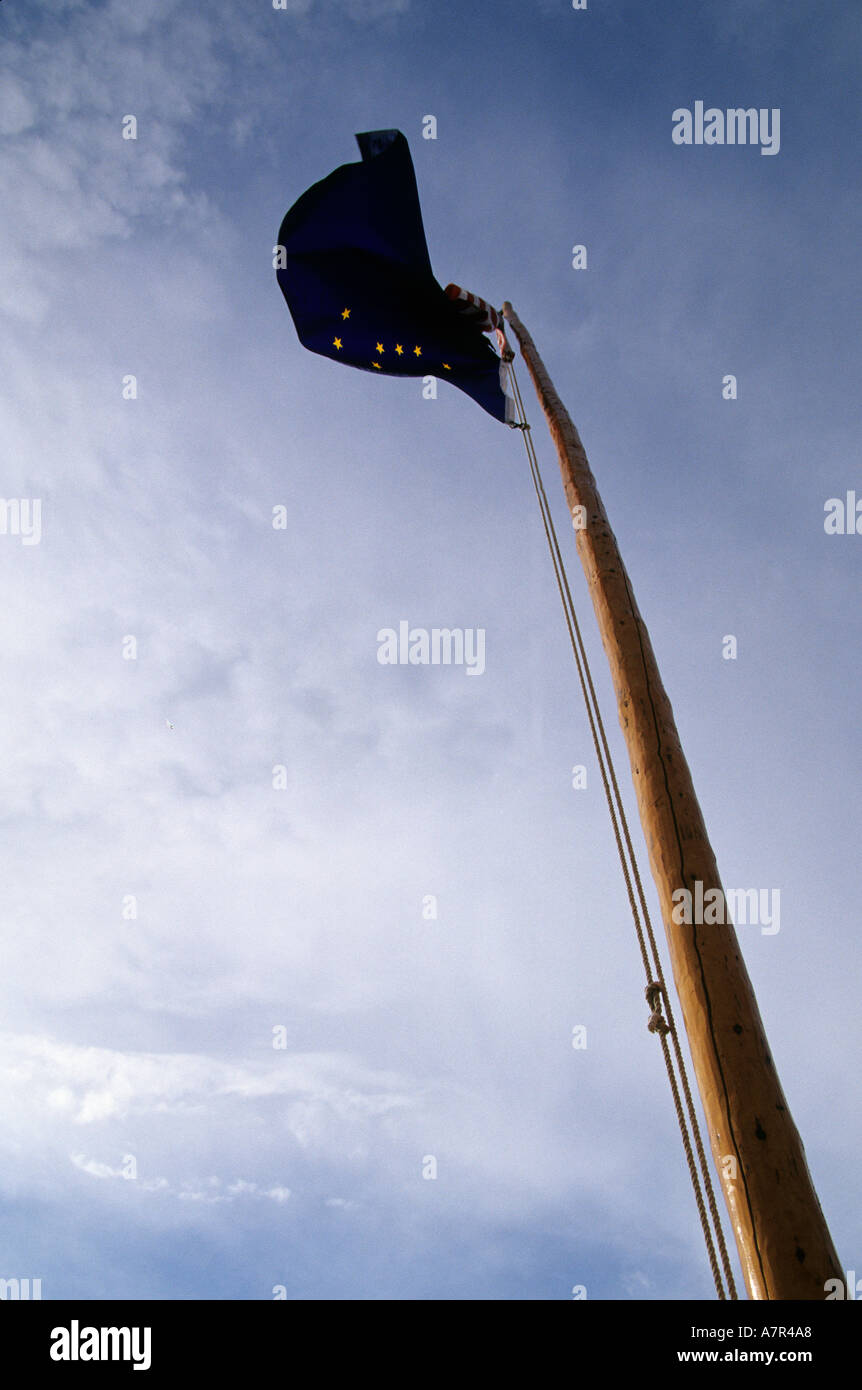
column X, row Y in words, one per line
column 151, row 1037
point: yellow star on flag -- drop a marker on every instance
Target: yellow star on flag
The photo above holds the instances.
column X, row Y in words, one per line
column 377, row 365
column 417, row 352
column 380, row 347
column 399, row 349
column 446, row 365
column 345, row 313
column 336, row 342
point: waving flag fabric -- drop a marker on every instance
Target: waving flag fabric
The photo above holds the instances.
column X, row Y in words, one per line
column 353, row 266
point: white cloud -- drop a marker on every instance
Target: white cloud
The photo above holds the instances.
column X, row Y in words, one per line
column 73, row 181
column 17, row 112
column 92, row 1084
column 278, row 1194
column 94, row 1167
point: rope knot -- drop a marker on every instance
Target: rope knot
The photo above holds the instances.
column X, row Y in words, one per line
column 656, row 1024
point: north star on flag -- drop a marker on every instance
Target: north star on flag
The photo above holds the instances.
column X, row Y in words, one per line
column 353, row 265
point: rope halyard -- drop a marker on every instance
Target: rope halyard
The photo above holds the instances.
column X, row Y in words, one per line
column 656, row 991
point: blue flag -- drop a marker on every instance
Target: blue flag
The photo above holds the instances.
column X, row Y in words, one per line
column 354, row 268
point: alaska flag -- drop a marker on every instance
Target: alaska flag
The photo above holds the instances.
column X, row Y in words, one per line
column 358, row 281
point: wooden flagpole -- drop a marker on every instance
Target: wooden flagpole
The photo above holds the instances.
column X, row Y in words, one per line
column 784, row 1244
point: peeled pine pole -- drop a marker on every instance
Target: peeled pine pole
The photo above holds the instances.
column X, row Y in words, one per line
column 784, row 1244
